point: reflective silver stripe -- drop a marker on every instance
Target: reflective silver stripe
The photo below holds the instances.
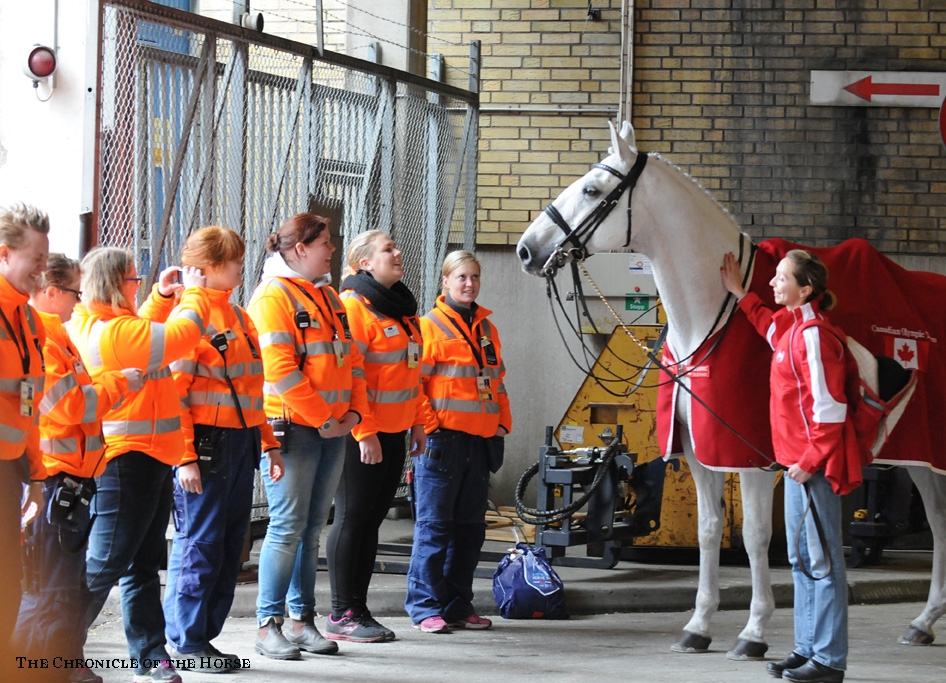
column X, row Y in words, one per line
column 343, row 396
column 156, row 354
column 239, row 314
column 12, row 434
column 141, row 427
column 188, row 367
column 160, row 374
column 194, row 317
column 362, row 346
column 236, row 370
column 57, row 392
column 435, row 319
column 271, row 338
column 323, row 348
column 211, row 331
column 91, row 403
column 10, row 386
column 392, row 396
column 221, row 398
column 501, row 389
column 426, row 370
column 358, row 372
column 464, row 371
column 185, row 403
column 68, row 444
column 457, row 405
column 3, row 334
column 351, row 294
column 95, row 341
column 31, row 320
column 294, row 378
column 298, row 305
column 94, row 443
column 487, row 329
column 386, row 357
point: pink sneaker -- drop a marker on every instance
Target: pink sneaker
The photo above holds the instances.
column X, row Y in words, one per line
column 474, row 621
column 432, row 625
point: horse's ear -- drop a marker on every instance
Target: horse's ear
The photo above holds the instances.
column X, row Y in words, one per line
column 627, row 134
column 617, row 144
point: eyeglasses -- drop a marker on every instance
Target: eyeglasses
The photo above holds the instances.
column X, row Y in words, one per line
column 74, row 291
column 134, row 279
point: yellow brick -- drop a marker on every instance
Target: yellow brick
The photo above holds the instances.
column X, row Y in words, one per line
column 447, row 27
column 508, row 215
column 523, row 204
column 498, row 192
column 531, row 192
column 481, row 14
column 494, row 168
column 524, row 168
column 509, row 181
column 521, row 86
column 548, row 122
column 550, row 145
column 541, row 15
column 472, row 4
column 488, row 237
column 512, row 98
column 560, row 86
column 498, row 156
column 519, row 50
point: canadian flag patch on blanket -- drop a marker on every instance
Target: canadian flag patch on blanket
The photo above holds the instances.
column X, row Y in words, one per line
column 889, row 310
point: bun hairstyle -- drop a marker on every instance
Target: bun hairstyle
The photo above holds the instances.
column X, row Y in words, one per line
column 301, row 228
column 810, row 271
column 212, row 246
column 60, row 271
column 362, row 246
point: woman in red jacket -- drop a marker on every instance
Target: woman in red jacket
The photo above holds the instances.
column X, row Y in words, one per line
column 220, row 383
column 813, row 436
column 463, row 380
column 70, row 425
column 382, row 313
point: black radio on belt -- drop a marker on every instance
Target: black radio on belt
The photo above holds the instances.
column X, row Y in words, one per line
column 489, row 350
column 205, row 456
column 70, row 502
column 281, row 432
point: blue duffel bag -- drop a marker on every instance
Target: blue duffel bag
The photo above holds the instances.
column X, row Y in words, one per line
column 526, row 587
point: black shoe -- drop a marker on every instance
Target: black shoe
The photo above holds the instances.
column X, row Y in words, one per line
column 813, row 672
column 235, row 661
column 275, row 645
column 84, row 674
column 366, row 615
column 793, row 661
column 310, row 639
column 203, row 661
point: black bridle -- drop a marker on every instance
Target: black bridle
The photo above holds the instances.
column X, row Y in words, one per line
column 576, row 239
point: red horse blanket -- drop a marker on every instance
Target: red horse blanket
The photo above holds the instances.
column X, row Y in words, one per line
column 890, row 310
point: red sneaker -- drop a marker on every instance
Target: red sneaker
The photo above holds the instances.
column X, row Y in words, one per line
column 474, row 621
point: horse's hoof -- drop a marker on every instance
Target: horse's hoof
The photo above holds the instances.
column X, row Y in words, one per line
column 691, row 644
column 747, row 651
column 915, row 636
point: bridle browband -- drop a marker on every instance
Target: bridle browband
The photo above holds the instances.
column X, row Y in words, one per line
column 578, row 237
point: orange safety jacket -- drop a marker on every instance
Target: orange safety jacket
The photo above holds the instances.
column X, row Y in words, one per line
column 450, row 371
column 201, row 377
column 70, row 414
column 21, row 346
column 149, row 420
column 395, row 401
column 321, row 388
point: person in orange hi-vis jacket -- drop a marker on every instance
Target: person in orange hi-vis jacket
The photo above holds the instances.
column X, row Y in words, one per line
column 143, row 437
column 70, row 427
column 314, row 394
column 220, row 383
column 382, row 313
column 24, row 246
column 463, row 375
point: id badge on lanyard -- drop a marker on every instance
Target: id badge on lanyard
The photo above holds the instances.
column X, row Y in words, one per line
column 484, row 387
column 27, row 387
column 339, row 352
column 413, row 354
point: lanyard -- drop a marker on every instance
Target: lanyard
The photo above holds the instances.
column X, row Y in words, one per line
column 23, row 353
column 473, row 348
column 330, row 318
column 408, row 330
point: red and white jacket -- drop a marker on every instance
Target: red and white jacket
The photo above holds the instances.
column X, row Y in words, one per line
column 808, row 406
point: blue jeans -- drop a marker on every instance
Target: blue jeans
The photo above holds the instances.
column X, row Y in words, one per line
column 209, row 532
column 820, row 606
column 451, row 484
column 299, row 504
column 127, row 544
column 47, row 625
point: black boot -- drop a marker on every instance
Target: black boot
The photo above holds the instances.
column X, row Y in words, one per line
column 310, row 639
column 275, row 645
column 813, row 672
column 793, row 661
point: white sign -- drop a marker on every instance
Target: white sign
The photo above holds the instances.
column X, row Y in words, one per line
column 878, row 88
column 640, row 264
column 571, row 434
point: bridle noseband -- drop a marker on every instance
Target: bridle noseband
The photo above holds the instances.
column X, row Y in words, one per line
column 576, row 239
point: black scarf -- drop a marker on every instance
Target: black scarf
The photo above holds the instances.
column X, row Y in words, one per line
column 465, row 312
column 395, row 302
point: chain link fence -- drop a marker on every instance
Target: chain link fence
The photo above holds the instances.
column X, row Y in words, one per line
column 205, row 123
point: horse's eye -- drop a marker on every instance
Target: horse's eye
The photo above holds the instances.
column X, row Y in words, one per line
column 591, row 191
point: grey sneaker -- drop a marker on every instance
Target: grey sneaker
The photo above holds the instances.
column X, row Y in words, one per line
column 275, row 645
column 310, row 639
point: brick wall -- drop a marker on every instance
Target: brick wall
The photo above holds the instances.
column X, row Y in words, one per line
column 721, row 89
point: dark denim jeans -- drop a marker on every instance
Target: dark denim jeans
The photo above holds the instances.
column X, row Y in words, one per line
column 209, row 531
column 127, row 545
column 451, row 483
column 11, row 568
column 50, row 623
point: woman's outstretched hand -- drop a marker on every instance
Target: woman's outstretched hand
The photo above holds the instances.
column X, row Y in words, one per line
column 732, row 277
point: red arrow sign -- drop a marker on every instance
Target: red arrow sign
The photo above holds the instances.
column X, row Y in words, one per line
column 866, row 88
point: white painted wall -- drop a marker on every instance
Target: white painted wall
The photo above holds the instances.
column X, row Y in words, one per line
column 41, row 144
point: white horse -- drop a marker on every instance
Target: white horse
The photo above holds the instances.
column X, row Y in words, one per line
column 685, row 233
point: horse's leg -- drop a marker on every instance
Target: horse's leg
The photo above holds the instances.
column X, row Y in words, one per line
column 932, row 488
column 757, row 492
column 709, row 505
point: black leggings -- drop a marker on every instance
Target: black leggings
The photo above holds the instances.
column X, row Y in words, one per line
column 364, row 497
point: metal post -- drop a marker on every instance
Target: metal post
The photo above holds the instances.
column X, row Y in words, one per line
column 429, row 292
column 474, row 66
column 320, row 29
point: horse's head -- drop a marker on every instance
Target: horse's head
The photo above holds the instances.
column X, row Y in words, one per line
column 581, row 221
